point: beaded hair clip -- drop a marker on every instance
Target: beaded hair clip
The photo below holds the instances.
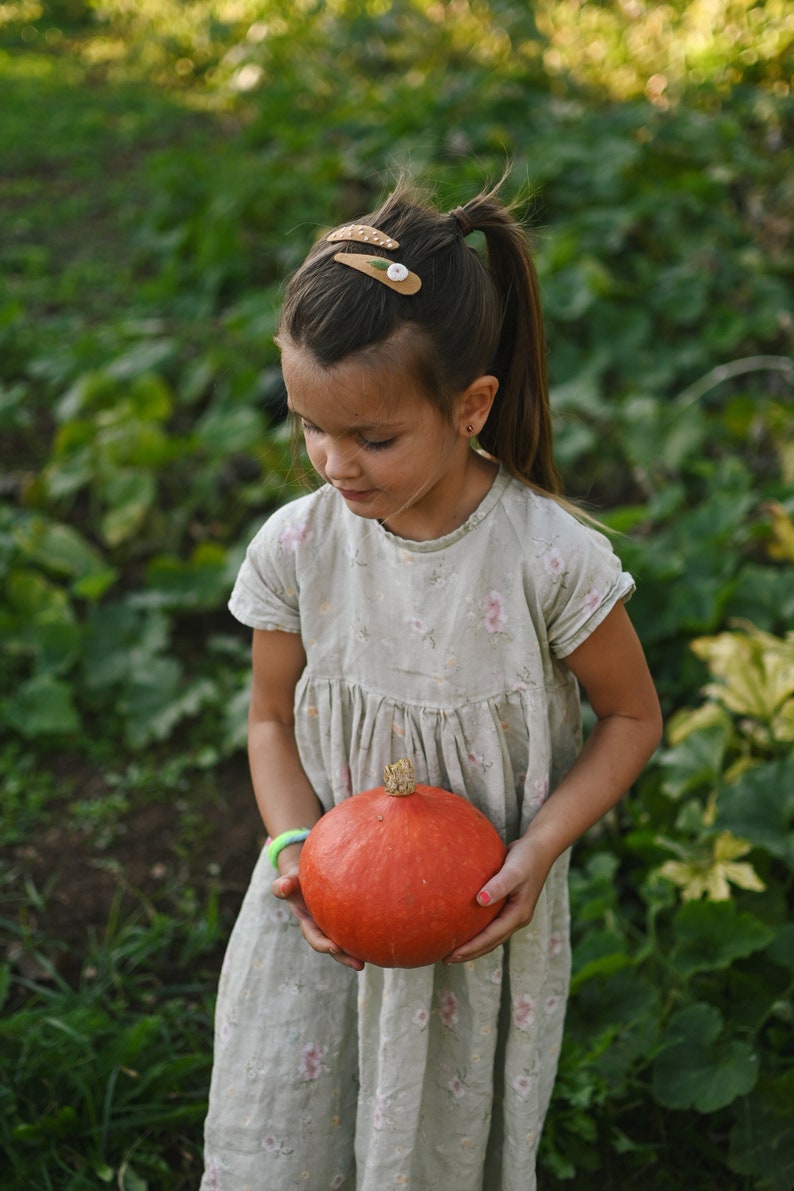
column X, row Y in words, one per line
column 391, row 273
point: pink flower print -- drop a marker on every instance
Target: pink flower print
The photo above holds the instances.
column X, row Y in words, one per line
column 524, row 1008
column 337, row 1182
column 496, row 975
column 379, row 1115
column 553, row 562
column 551, row 1004
column 421, row 1018
column 450, row 1014
column 311, row 1062
column 226, row 1031
column 270, row 1144
column 593, row 599
column 494, row 613
column 420, row 626
column 213, row 1177
column 456, row 1087
column 522, row 1084
column 555, row 944
column 476, row 759
column 292, row 536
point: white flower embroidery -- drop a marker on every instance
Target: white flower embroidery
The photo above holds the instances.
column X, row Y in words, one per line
column 450, row 1014
column 494, row 613
column 593, row 599
column 553, row 561
column 379, row 1115
column 292, row 536
column 421, row 1018
column 524, row 1008
column 555, row 944
column 551, row 1004
column 420, row 626
column 311, row 1062
column 456, row 1087
column 270, row 1144
column 522, row 1084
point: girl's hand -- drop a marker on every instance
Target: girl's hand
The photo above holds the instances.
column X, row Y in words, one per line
column 520, row 880
column 287, row 887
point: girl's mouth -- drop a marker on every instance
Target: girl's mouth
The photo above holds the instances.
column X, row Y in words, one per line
column 354, row 495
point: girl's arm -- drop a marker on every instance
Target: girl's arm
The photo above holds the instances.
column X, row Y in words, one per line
column 611, row 667
column 283, row 793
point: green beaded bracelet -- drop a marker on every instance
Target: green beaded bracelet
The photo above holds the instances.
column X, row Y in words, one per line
column 276, row 846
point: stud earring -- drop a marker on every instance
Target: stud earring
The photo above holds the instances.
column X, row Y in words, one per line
column 470, row 429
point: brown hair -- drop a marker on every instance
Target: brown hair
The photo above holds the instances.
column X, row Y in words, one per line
column 470, row 318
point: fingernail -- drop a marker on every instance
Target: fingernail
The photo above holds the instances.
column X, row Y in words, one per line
column 484, row 898
column 283, row 887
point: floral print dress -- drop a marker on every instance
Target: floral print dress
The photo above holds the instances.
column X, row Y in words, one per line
column 449, row 652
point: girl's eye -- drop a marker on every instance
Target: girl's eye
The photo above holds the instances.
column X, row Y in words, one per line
column 308, row 428
column 377, row 446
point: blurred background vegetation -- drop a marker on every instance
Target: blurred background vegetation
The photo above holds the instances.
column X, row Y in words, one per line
column 164, row 165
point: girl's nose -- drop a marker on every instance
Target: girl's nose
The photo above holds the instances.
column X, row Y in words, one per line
column 341, row 461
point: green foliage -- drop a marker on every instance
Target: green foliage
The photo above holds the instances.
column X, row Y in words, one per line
column 164, row 166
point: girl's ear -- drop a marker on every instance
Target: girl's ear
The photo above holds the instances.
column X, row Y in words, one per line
column 475, row 404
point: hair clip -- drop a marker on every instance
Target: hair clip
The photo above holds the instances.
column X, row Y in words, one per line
column 364, row 234
column 398, row 277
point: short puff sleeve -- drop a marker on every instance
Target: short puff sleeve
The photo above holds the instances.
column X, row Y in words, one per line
column 266, row 592
column 582, row 580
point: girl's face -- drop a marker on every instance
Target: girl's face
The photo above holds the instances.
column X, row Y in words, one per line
column 374, row 436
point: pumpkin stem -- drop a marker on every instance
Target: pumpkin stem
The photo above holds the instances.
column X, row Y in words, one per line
column 398, row 778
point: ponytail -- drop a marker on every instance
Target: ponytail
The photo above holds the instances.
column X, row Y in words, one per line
column 519, row 428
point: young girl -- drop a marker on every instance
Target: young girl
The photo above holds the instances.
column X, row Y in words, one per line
column 434, row 600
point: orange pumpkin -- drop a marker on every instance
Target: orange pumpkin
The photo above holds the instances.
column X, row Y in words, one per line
column 392, row 874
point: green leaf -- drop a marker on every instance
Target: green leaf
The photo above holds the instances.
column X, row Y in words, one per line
column 130, row 495
column 698, row 1067
column 696, row 761
column 57, row 547
column 711, row 935
column 202, row 582
column 781, row 949
column 43, row 706
column 762, row 1139
column 759, row 807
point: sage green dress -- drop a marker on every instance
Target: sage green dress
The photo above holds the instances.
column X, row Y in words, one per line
column 448, row 652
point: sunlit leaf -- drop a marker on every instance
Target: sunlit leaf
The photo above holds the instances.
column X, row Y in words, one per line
column 130, row 496
column 711, row 873
column 754, row 672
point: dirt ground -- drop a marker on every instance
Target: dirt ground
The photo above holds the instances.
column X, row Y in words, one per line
column 63, row 888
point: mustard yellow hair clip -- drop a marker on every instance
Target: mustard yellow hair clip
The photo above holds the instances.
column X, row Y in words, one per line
column 398, row 277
